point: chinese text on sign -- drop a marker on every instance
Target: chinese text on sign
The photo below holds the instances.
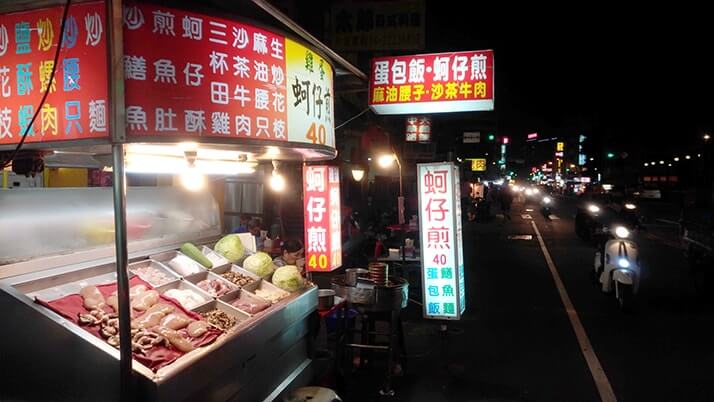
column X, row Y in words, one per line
column 432, row 83
column 323, row 234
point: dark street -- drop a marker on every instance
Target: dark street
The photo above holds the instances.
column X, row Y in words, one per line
column 515, row 343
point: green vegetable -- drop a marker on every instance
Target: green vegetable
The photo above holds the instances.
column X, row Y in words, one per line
column 288, row 278
column 260, row 264
column 192, row 251
column 230, row 247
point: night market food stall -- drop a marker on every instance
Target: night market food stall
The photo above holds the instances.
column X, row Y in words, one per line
column 127, row 293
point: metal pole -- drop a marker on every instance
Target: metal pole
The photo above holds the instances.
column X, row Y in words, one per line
column 115, row 51
column 125, row 392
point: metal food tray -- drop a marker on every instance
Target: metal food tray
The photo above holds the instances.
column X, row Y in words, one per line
column 156, row 265
column 57, row 286
column 185, row 285
column 235, row 268
column 164, row 258
column 265, row 285
column 241, row 317
column 220, row 260
column 241, row 294
column 196, row 278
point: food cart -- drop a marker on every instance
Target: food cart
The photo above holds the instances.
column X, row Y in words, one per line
column 148, row 89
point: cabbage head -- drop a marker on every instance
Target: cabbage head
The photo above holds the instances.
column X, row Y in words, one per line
column 230, row 247
column 288, row 278
column 260, row 264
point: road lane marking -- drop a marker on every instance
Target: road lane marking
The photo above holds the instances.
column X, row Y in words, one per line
column 526, row 216
column 596, row 370
column 553, row 217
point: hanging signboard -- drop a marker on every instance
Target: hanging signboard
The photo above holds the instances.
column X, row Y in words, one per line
column 323, row 234
column 441, row 241
column 472, row 137
column 191, row 75
column 382, row 25
column 418, row 129
column 432, row 83
column 532, row 137
column 76, row 106
column 478, row 165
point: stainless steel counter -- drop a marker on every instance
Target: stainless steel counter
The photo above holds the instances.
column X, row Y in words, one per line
column 45, row 357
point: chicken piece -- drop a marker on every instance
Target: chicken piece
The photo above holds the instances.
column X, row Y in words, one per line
column 152, row 317
column 175, row 321
column 113, row 302
column 197, row 328
column 93, row 298
column 175, row 338
column 143, row 301
column 136, row 290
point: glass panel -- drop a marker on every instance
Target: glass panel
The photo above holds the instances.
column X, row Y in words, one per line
column 41, row 222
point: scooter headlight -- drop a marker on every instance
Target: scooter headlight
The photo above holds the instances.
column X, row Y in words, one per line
column 622, row 232
column 529, row 191
column 630, row 206
column 546, row 200
column 593, row 208
column 623, row 263
column 536, row 191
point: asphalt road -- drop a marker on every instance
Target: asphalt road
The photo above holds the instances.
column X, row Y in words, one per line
column 516, row 342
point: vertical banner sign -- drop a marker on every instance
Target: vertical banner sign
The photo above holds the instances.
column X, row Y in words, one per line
column 323, row 234
column 191, row 75
column 76, row 106
column 418, row 129
column 441, row 241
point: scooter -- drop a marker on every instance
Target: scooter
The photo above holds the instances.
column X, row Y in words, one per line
column 545, row 207
column 617, row 265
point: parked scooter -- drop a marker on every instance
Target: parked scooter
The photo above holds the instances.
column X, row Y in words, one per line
column 617, row 264
column 545, row 207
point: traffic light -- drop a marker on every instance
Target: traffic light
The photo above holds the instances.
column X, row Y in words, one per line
column 610, row 155
column 505, row 140
column 491, row 137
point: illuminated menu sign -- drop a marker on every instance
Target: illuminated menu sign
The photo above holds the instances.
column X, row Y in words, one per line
column 418, row 129
column 193, row 75
column 76, row 106
column 323, row 234
column 432, row 83
column 441, row 241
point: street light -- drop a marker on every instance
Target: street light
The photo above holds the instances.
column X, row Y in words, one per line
column 357, row 173
column 707, row 137
column 386, row 160
column 676, row 159
column 688, row 157
column 646, row 164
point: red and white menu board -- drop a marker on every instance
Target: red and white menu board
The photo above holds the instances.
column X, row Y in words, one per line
column 441, row 241
column 76, row 106
column 432, row 83
column 192, row 75
column 323, row 233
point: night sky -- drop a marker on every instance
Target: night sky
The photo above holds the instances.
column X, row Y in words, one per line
column 641, row 80
column 634, row 81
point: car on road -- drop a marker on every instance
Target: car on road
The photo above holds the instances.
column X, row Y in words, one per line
column 652, row 193
column 599, row 210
